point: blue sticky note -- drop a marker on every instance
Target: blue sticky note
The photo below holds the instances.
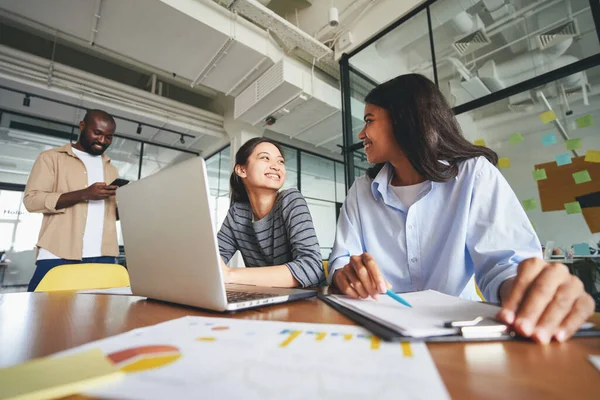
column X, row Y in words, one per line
column 563, row 159
column 581, row 249
column 549, row 139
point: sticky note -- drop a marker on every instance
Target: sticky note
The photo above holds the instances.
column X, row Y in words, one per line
column 573, row 208
column 549, row 139
column 548, row 116
column 592, row 156
column 582, row 177
column 581, row 249
column 516, row 138
column 504, row 162
column 49, row 378
column 530, row 204
column 563, row 159
column 479, row 142
column 539, row 174
column 573, row 144
column 584, row 121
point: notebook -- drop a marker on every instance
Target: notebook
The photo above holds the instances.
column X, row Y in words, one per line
column 429, row 312
column 433, row 317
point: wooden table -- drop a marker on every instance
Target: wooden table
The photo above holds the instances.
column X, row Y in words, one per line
column 38, row 324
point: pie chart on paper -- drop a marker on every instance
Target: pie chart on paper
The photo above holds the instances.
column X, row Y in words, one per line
column 137, row 359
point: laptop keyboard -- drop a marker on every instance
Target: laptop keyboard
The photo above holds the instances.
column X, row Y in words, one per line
column 239, row 297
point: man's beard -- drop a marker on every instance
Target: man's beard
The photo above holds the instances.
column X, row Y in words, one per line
column 89, row 147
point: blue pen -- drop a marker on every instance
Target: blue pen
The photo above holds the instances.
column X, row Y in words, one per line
column 397, row 298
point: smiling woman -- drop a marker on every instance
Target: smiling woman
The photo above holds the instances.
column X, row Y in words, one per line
column 270, row 228
column 434, row 211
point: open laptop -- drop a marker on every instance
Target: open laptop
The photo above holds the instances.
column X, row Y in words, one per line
column 171, row 245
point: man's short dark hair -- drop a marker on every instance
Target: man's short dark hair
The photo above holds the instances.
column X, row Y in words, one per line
column 90, row 114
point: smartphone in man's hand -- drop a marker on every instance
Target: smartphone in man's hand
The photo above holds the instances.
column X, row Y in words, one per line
column 119, row 182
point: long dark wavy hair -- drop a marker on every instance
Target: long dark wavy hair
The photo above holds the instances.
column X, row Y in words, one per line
column 425, row 128
column 238, row 190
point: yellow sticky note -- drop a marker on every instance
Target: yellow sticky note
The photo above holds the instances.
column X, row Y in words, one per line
column 548, row 116
column 49, row 378
column 504, row 162
column 592, row 156
column 479, row 142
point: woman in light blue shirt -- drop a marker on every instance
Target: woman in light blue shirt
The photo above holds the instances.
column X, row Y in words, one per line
column 434, row 211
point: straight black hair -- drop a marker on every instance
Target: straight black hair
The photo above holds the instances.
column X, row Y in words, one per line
column 425, row 128
column 238, row 190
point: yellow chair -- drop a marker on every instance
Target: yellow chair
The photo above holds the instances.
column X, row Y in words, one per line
column 84, row 277
column 325, row 263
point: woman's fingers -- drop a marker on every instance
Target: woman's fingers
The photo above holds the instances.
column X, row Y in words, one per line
column 363, row 275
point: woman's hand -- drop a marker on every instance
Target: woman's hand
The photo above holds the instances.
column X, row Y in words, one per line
column 361, row 277
column 544, row 301
column 226, row 272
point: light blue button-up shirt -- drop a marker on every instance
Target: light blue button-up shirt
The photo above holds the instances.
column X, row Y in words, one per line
column 470, row 225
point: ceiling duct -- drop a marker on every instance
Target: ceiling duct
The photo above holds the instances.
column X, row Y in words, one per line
column 474, row 40
column 471, row 42
column 280, row 85
column 299, row 104
column 296, row 41
column 27, row 73
column 558, row 34
column 199, row 42
column 521, row 102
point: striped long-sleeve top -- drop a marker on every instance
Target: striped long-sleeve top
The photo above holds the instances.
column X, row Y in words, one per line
column 284, row 236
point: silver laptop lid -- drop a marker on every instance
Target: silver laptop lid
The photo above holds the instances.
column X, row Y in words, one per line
column 170, row 244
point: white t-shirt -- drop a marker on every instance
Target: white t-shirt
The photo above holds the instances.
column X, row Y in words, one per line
column 408, row 194
column 94, row 223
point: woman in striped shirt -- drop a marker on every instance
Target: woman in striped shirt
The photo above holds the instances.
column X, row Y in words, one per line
column 272, row 229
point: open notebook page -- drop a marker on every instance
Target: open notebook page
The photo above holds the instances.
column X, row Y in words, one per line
column 430, row 310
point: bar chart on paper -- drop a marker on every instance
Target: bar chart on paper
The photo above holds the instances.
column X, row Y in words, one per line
column 362, row 339
column 195, row 357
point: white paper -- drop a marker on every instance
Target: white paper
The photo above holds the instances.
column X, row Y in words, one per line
column 595, row 359
column 125, row 290
column 241, row 359
column 429, row 311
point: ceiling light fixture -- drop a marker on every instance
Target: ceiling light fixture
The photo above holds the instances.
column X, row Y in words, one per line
column 139, row 129
column 182, row 140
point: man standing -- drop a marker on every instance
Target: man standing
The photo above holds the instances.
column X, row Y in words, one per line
column 69, row 185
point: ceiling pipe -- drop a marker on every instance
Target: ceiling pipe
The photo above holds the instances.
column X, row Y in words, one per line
column 31, row 63
column 292, row 37
column 154, row 114
column 119, row 58
column 95, row 22
column 528, row 65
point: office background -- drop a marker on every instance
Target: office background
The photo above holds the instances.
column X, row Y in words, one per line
column 500, row 64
